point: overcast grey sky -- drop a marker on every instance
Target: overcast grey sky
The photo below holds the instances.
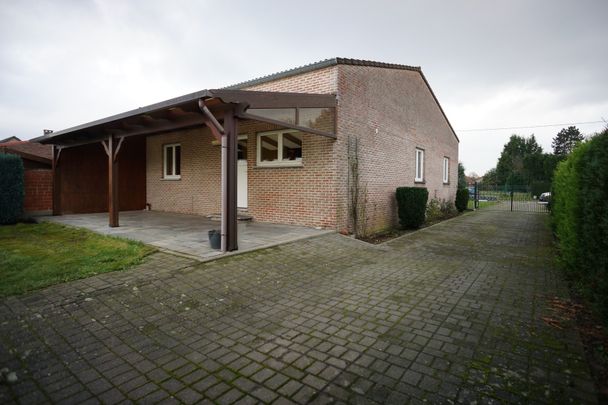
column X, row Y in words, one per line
column 491, row 63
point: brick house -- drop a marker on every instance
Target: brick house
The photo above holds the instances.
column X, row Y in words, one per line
column 38, row 176
column 318, row 146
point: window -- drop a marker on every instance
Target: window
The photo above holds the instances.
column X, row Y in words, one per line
column 172, row 160
column 279, row 148
column 446, row 170
column 419, row 165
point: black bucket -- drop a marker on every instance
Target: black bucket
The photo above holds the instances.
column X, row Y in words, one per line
column 215, row 239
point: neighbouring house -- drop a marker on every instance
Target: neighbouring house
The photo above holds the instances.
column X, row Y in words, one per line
column 322, row 145
column 9, row 139
column 38, row 175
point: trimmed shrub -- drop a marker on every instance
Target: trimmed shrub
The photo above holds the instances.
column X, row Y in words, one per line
column 580, row 218
column 462, row 199
column 438, row 210
column 411, row 202
column 11, row 188
column 433, row 211
column 448, row 210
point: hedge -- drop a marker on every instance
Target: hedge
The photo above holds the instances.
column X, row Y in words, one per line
column 580, row 217
column 411, row 203
column 11, row 188
column 462, row 199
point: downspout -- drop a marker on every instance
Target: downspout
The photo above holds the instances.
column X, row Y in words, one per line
column 218, row 132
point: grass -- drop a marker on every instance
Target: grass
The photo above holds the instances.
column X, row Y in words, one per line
column 33, row 256
column 482, row 204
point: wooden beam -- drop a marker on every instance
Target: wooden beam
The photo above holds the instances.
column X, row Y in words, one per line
column 248, row 116
column 105, row 146
column 268, row 99
column 210, row 117
column 56, row 181
column 191, row 121
column 122, row 138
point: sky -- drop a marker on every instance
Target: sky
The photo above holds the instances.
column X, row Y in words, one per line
column 492, row 64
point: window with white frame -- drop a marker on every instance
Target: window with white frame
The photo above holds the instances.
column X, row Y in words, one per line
column 446, row 170
column 279, row 148
column 172, row 160
column 419, row 165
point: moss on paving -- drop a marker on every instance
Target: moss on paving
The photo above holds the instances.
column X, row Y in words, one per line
column 33, row 256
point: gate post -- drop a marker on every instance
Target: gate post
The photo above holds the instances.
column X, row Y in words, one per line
column 511, row 197
column 476, row 196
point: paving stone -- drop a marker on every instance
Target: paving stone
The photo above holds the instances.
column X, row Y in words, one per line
column 449, row 313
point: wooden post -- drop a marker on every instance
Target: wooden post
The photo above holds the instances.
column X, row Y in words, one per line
column 113, row 208
column 229, row 182
column 56, row 181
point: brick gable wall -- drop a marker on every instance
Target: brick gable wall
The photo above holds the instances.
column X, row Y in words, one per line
column 391, row 112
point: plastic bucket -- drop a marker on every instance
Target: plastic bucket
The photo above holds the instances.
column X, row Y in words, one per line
column 215, row 239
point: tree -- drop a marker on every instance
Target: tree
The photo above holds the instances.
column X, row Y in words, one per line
column 462, row 181
column 566, row 140
column 520, row 161
column 490, row 177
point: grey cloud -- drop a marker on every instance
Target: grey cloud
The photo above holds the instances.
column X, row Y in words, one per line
column 66, row 62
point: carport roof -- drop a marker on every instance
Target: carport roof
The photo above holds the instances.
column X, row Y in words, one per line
column 183, row 112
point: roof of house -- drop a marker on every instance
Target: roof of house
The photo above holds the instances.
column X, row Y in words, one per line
column 235, row 92
column 160, row 117
column 9, row 139
column 29, row 150
column 340, row 61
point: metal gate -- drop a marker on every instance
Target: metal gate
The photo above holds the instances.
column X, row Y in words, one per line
column 507, row 198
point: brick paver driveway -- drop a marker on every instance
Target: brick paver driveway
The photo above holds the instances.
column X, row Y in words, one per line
column 451, row 313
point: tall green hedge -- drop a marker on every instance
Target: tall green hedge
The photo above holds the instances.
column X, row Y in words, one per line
column 11, row 188
column 411, row 203
column 580, row 217
column 462, row 199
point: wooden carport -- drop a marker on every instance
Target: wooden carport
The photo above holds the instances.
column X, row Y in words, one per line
column 219, row 110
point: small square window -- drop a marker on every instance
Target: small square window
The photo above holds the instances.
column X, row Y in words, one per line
column 279, row 148
column 172, row 161
column 419, row 165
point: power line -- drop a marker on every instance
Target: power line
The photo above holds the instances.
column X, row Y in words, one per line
column 532, row 126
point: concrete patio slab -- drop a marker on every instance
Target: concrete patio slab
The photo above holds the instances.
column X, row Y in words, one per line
column 186, row 234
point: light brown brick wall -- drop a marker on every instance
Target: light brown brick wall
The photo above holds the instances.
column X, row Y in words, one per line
column 198, row 190
column 318, row 81
column 302, row 195
column 399, row 106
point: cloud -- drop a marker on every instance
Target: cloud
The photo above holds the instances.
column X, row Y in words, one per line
column 491, row 64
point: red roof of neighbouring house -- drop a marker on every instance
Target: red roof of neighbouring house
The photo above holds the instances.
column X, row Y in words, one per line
column 29, row 150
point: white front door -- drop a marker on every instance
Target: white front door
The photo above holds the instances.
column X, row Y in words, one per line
column 241, row 173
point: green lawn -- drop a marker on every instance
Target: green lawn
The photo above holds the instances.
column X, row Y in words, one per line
column 482, row 204
column 33, row 256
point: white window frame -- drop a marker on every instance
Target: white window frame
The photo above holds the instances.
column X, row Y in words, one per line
column 279, row 162
column 166, row 148
column 446, row 170
column 419, row 155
